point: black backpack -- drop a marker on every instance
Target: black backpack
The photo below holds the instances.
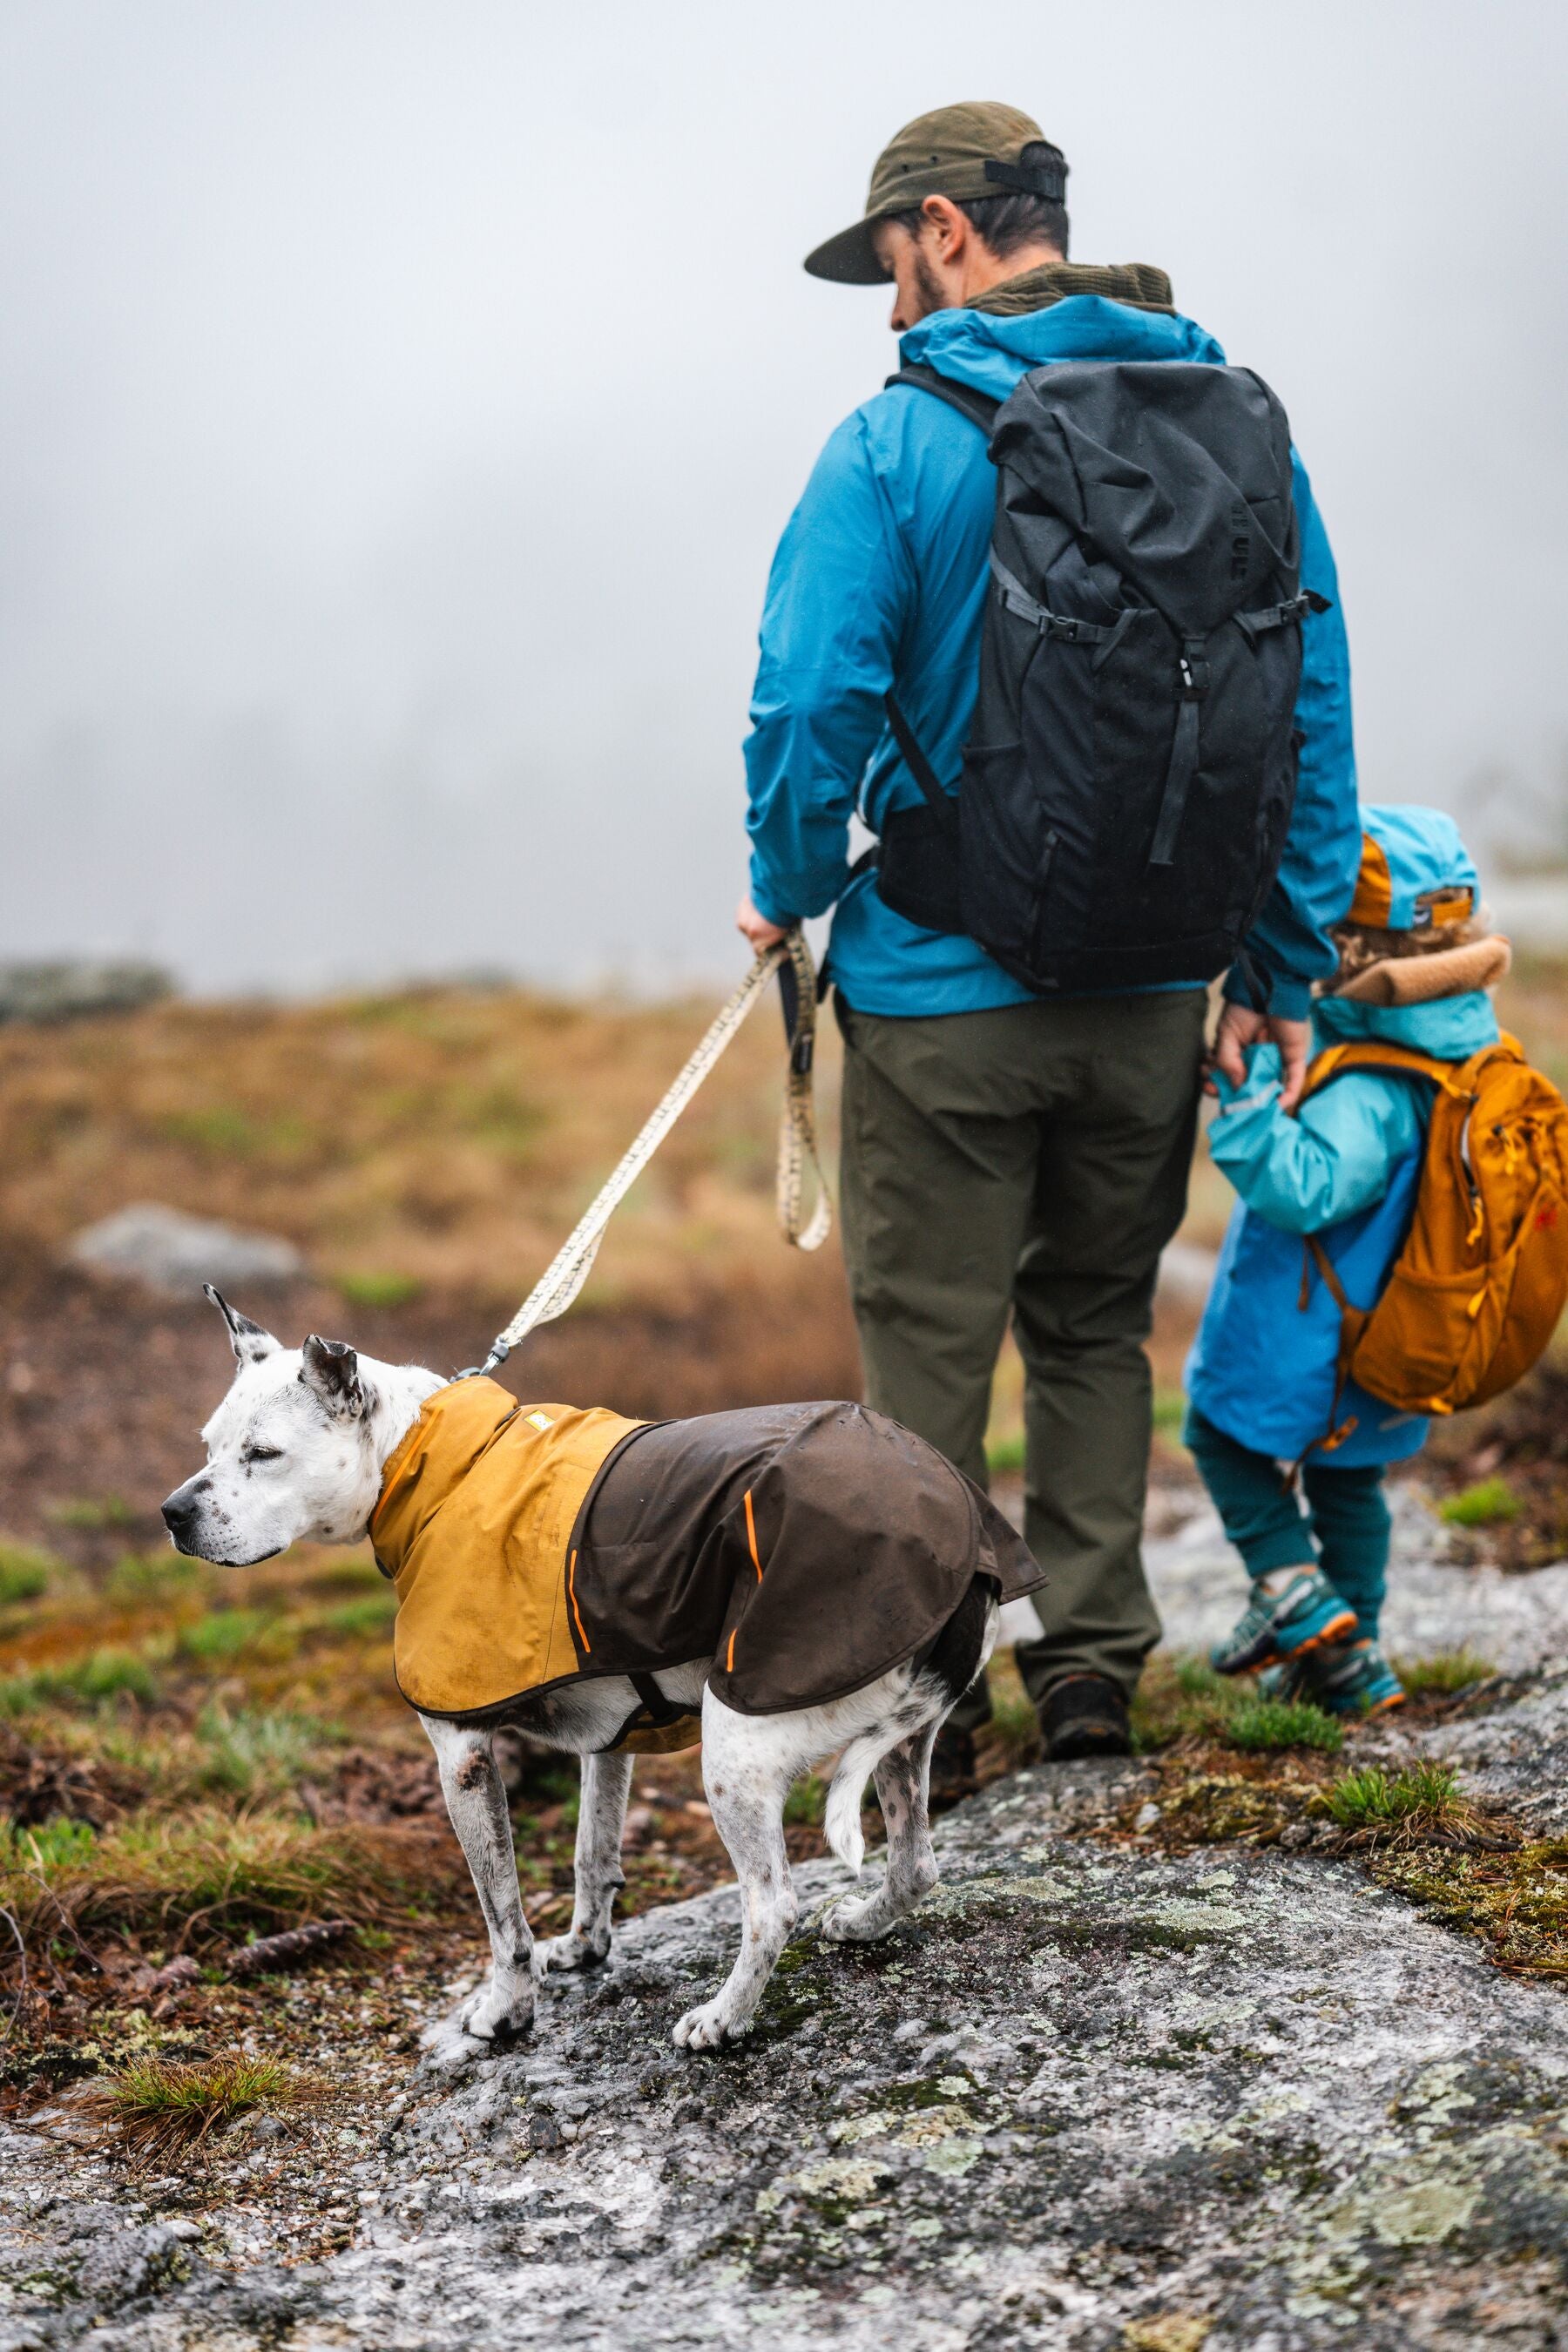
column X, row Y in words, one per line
column 1131, row 767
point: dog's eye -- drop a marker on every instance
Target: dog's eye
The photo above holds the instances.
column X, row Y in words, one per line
column 262, row 1454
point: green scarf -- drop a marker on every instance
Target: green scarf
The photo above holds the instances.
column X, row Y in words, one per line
column 1137, row 283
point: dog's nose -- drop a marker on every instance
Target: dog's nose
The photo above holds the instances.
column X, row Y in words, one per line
column 180, row 1514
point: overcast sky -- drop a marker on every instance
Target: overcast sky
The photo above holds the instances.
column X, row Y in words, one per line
column 399, row 404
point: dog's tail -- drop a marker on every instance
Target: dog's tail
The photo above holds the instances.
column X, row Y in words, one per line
column 841, row 1821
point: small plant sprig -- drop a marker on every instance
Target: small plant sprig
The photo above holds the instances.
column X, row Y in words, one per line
column 161, row 2107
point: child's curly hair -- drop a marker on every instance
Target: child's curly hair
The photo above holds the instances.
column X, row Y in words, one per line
column 1361, row 945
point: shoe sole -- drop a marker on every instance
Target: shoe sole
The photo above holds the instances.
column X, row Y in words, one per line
column 1269, row 1654
column 1334, row 1630
column 1077, row 1747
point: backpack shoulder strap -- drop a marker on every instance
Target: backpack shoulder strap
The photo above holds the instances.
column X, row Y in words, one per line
column 979, row 409
column 1453, row 1077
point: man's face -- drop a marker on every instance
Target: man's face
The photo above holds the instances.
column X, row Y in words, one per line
column 911, row 262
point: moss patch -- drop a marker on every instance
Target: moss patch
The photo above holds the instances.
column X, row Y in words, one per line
column 1516, row 1903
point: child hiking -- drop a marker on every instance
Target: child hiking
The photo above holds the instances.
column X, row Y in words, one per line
column 1334, row 1203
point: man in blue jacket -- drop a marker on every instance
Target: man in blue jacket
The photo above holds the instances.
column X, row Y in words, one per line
column 1003, row 1153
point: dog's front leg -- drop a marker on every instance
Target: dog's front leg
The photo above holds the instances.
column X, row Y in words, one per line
column 748, row 1763
column 601, row 1823
column 475, row 1800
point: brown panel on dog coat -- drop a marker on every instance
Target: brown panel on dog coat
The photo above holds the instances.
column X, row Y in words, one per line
column 806, row 1548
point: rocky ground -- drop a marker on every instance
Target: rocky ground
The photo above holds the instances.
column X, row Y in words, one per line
column 1101, row 2092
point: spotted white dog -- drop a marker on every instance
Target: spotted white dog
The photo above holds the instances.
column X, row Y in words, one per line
column 299, row 1449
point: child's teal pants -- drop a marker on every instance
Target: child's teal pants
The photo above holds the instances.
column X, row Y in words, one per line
column 1343, row 1529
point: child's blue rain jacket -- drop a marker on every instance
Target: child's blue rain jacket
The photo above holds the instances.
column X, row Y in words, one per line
column 1345, row 1167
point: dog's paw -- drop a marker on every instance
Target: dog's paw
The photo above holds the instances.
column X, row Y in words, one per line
column 560, row 1955
column 855, row 1919
column 710, row 2027
column 495, row 2013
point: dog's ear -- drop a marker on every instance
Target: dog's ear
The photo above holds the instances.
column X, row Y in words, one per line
column 250, row 1343
column 331, row 1371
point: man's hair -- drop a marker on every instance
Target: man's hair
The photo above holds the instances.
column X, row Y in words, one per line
column 1006, row 223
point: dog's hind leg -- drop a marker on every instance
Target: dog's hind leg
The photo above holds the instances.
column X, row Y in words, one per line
column 748, row 1764
column 475, row 1800
column 903, row 1774
column 903, row 1777
column 601, row 1821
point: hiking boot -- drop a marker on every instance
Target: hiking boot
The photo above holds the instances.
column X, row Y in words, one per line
column 1302, row 1616
column 1084, row 1714
column 951, row 1769
column 1352, row 1678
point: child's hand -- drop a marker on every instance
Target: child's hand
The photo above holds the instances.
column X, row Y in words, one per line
column 1239, row 1028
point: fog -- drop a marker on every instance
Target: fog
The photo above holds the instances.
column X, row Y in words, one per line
column 399, row 404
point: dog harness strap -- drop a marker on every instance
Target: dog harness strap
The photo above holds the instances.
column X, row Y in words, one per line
column 562, row 1280
column 659, row 1709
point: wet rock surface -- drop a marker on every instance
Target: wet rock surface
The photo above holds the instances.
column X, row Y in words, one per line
column 1087, row 2098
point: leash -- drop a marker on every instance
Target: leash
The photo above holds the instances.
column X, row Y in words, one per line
column 563, row 1278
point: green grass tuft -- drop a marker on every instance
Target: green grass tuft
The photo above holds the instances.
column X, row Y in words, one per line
column 1004, row 1456
column 373, row 1289
column 24, row 1572
column 1420, row 1797
column 159, row 2106
column 1261, row 1724
column 204, row 1878
column 1488, row 1505
column 1178, row 1697
column 223, row 1635
column 95, row 1681
column 252, row 1756
column 50, row 1845
column 1446, row 1672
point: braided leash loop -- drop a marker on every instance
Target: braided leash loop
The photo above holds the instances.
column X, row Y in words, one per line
column 569, row 1269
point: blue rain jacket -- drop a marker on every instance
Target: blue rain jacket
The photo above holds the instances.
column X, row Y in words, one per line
column 1345, row 1167
column 881, row 580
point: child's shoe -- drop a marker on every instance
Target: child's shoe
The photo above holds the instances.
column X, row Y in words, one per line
column 1352, row 1678
column 1305, row 1613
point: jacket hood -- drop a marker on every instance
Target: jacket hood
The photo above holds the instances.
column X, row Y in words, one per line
column 1452, row 1027
column 991, row 354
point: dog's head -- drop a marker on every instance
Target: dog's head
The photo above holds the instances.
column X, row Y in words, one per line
column 291, row 1452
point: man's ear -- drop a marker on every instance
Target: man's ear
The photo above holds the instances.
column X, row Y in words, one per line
column 250, row 1343
column 330, row 1369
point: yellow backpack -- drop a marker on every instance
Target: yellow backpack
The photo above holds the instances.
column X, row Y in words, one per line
column 1475, row 1293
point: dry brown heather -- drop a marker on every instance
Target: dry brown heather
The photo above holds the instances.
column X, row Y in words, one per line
column 442, row 1137
column 190, row 1757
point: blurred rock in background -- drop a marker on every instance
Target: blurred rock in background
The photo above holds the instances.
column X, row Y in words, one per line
column 67, row 990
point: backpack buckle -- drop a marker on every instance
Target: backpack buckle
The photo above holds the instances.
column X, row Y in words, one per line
column 1193, row 671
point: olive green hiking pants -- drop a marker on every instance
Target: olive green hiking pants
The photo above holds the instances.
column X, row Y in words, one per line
column 1029, row 1162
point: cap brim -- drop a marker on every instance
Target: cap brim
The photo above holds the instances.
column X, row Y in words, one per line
column 849, row 259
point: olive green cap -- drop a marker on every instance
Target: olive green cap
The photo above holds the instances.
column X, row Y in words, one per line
column 966, row 152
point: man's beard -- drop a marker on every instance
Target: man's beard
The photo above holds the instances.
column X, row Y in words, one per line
column 928, row 287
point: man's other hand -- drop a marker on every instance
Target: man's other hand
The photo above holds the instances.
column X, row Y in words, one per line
column 1239, row 1027
column 756, row 928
